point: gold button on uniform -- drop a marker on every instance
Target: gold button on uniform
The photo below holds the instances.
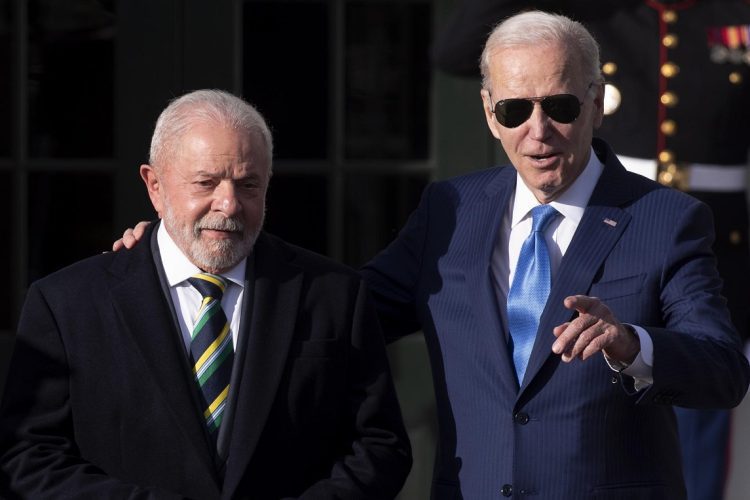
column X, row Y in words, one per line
column 735, row 77
column 609, row 68
column 669, row 69
column 669, row 16
column 669, row 99
column 666, row 178
column 666, row 156
column 668, row 127
column 672, row 176
column 670, row 40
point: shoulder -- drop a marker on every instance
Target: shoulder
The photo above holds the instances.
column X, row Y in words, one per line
column 319, row 279
column 84, row 271
column 475, row 185
column 101, row 270
column 620, row 187
column 482, row 178
column 665, row 209
column 310, row 262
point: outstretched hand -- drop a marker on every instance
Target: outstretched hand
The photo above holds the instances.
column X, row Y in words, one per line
column 131, row 236
column 595, row 329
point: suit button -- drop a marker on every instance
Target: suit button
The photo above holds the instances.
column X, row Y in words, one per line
column 521, row 418
column 506, row 490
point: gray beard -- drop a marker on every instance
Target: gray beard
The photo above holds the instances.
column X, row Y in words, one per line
column 214, row 255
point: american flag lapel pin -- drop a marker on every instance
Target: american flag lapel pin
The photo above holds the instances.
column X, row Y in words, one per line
column 611, row 222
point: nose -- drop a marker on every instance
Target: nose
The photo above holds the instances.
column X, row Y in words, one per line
column 225, row 199
column 539, row 123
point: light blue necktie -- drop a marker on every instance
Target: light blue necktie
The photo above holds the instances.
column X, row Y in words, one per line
column 530, row 289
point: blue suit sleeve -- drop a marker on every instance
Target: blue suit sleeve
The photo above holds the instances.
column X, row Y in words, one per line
column 698, row 358
column 393, row 275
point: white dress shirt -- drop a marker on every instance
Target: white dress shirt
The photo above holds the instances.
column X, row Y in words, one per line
column 186, row 299
column 516, row 227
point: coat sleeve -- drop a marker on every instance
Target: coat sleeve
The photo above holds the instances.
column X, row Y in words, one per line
column 392, row 275
column 38, row 454
column 698, row 358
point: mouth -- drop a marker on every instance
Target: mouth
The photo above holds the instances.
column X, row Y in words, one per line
column 544, row 160
column 219, row 229
column 219, row 233
column 541, row 157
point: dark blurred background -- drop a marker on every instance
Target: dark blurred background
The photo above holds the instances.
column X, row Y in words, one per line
column 361, row 123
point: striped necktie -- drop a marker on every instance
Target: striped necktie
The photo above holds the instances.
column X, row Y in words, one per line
column 530, row 288
column 211, row 349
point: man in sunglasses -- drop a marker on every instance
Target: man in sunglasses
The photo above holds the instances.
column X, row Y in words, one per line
column 560, row 386
column 567, row 303
column 678, row 72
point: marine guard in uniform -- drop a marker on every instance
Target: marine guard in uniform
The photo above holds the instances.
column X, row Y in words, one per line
column 677, row 107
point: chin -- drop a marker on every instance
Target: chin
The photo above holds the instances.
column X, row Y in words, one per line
column 550, row 191
column 218, row 255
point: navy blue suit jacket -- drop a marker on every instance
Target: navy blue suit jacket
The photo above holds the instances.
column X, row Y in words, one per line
column 100, row 402
column 572, row 430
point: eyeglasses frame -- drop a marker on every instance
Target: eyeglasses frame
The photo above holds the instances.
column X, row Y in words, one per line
column 539, row 100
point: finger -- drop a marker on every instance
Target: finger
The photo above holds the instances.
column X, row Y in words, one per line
column 584, row 332
column 580, row 333
column 139, row 229
column 567, row 354
column 566, row 337
column 594, row 340
column 595, row 346
column 581, row 303
column 128, row 239
column 124, row 241
column 559, row 329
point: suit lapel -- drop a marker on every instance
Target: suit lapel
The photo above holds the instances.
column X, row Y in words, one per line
column 145, row 314
column 482, row 226
column 266, row 341
column 601, row 227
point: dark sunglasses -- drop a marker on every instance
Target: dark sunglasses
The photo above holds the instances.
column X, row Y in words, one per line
column 563, row 108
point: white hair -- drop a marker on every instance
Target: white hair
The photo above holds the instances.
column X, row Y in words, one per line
column 538, row 28
column 206, row 106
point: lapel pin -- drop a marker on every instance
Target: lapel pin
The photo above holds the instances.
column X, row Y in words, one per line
column 611, row 222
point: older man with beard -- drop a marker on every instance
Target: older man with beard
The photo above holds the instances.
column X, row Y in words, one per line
column 216, row 361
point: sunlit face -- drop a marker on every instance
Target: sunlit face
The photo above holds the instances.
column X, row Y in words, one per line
column 548, row 155
column 211, row 194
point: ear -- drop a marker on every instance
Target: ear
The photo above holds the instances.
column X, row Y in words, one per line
column 153, row 186
column 489, row 116
column 598, row 105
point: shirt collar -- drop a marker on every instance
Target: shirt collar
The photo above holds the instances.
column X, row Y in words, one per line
column 571, row 203
column 178, row 268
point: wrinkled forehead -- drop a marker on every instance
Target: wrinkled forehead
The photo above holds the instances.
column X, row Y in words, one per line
column 532, row 68
column 217, row 140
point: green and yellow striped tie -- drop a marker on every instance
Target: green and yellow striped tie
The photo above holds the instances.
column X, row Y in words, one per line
column 211, row 349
